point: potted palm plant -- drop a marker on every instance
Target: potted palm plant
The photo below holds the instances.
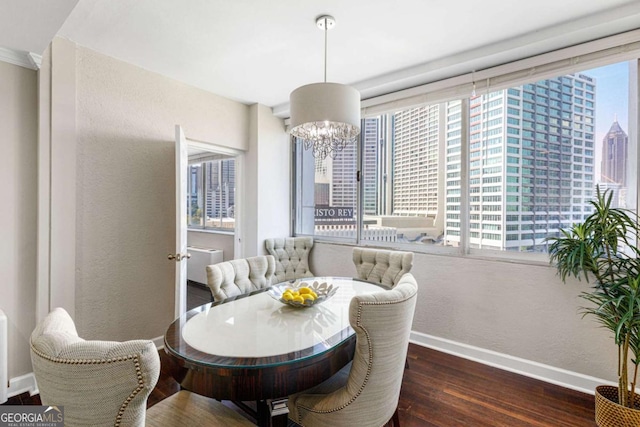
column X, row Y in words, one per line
column 602, row 250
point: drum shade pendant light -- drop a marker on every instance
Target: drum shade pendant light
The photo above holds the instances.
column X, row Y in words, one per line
column 326, row 116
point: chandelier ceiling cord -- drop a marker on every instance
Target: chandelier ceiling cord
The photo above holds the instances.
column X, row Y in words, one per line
column 325, row 116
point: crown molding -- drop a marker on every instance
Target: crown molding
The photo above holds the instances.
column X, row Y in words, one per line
column 35, row 60
column 23, row 59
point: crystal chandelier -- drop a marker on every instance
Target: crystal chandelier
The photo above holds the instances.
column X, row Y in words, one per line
column 325, row 116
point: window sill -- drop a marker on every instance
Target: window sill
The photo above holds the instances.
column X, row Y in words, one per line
column 537, row 259
column 202, row 230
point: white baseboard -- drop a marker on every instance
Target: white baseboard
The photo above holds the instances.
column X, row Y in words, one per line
column 159, row 342
column 22, row 384
column 539, row 371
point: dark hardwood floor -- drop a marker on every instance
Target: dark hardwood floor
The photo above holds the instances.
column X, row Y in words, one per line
column 446, row 391
column 197, row 294
column 24, row 399
column 440, row 390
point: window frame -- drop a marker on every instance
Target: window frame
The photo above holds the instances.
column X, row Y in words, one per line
column 205, row 163
column 620, row 48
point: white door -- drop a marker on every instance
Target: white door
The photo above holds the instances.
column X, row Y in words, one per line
column 181, row 255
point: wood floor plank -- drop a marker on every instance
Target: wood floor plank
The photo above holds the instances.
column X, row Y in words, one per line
column 446, row 391
column 440, row 390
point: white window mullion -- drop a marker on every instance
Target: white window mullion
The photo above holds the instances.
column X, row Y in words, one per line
column 634, row 133
column 359, row 184
column 464, row 176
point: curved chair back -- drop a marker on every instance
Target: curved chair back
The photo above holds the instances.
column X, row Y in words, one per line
column 107, row 383
column 382, row 266
column 292, row 257
column 99, row 383
column 240, row 276
column 369, row 395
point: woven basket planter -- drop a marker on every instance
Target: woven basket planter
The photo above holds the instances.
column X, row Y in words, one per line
column 610, row 414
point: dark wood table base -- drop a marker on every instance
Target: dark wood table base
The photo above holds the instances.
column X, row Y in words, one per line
column 259, row 384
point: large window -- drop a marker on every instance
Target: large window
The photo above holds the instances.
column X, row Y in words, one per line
column 211, row 193
column 501, row 170
column 328, row 202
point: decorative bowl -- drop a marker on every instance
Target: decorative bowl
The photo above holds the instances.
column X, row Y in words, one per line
column 322, row 291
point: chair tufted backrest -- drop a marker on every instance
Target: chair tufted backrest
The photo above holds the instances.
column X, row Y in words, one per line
column 382, row 266
column 99, row 383
column 107, row 383
column 382, row 322
column 292, row 257
column 240, row 276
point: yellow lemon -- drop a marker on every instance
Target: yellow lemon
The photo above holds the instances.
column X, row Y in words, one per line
column 313, row 294
column 308, row 297
column 287, row 296
column 305, row 290
column 298, row 298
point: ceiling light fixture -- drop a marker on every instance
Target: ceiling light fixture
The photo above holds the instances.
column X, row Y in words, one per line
column 326, row 116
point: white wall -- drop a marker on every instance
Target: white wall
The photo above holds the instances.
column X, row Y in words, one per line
column 203, row 239
column 124, row 180
column 62, row 148
column 266, row 182
column 515, row 309
column 18, row 220
column 125, row 186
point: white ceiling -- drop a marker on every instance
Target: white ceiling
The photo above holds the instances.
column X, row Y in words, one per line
column 29, row 25
column 259, row 51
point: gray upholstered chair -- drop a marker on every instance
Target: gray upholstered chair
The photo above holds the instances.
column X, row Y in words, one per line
column 382, row 266
column 292, row 257
column 106, row 383
column 366, row 391
column 240, row 276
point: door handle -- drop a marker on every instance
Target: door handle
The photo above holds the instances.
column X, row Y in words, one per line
column 178, row 257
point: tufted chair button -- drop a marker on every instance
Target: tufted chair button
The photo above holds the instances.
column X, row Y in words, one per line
column 294, row 254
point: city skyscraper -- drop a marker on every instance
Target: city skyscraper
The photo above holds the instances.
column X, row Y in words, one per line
column 415, row 161
column 530, row 167
column 613, row 171
column 220, row 187
column 371, row 163
column 531, row 159
column 336, row 178
column 211, row 192
column 614, row 156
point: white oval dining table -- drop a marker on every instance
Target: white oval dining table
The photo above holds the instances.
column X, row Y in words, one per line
column 254, row 347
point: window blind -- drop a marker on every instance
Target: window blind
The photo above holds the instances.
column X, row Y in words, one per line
column 621, row 47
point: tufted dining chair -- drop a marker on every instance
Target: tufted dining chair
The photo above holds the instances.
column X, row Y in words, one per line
column 107, row 383
column 240, row 276
column 382, row 266
column 366, row 391
column 292, row 257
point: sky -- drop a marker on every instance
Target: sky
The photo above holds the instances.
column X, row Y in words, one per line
column 612, row 100
column 612, row 96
